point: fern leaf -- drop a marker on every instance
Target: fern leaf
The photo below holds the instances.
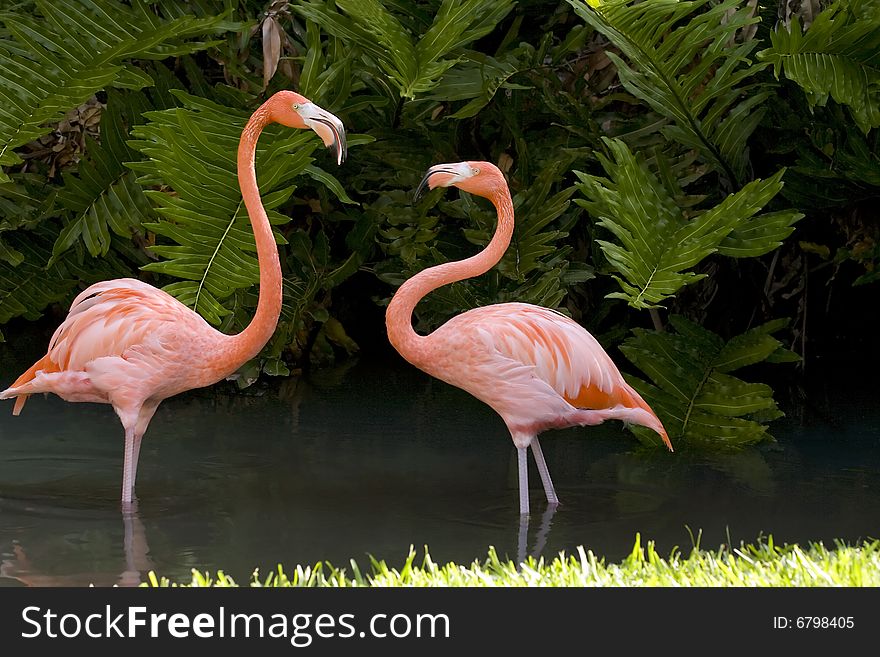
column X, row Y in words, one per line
column 838, row 56
column 102, row 195
column 31, row 285
column 759, row 234
column 657, row 243
column 458, row 23
column 414, row 63
column 691, row 386
column 680, row 63
column 59, row 57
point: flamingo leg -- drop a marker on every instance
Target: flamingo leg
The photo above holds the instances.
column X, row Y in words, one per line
column 552, row 499
column 523, row 456
column 129, row 467
column 135, row 423
column 144, row 417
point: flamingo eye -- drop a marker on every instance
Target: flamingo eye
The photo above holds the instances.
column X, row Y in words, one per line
column 475, row 171
column 296, row 106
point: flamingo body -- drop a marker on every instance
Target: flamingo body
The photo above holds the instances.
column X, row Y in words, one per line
column 125, row 342
column 128, row 344
column 537, row 368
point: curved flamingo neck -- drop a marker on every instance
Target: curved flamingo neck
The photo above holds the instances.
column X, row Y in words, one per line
column 251, row 340
column 398, row 317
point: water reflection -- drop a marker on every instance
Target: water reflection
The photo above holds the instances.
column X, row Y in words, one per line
column 374, row 457
column 30, row 562
column 522, row 549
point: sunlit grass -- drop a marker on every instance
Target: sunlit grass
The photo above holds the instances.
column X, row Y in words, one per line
column 760, row 564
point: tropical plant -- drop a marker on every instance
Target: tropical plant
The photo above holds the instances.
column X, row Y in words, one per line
column 55, row 58
column 692, row 389
column 31, row 284
column 837, row 57
column 51, row 65
column 412, row 66
column 686, row 64
column 660, row 238
column 102, row 196
column 191, row 158
column 120, row 120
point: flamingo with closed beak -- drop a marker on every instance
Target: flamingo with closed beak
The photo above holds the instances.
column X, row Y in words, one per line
column 537, row 368
column 131, row 345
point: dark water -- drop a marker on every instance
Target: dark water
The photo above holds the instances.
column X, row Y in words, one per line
column 373, row 457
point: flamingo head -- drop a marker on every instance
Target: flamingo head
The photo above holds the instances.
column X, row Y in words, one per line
column 295, row 111
column 479, row 178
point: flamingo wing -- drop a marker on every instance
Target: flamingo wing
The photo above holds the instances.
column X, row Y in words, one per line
column 560, row 351
column 109, row 319
column 548, row 348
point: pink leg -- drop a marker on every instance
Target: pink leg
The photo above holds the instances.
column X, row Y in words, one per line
column 133, row 436
column 129, row 466
column 143, row 421
column 523, row 458
column 552, row 500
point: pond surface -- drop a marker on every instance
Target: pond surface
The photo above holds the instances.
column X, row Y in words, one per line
column 374, row 456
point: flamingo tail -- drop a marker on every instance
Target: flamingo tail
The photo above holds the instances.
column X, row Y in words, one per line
column 42, row 365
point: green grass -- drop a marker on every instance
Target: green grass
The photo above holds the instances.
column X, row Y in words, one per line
column 759, row 564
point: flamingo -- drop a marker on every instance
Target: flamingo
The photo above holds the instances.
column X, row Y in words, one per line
column 537, row 368
column 130, row 345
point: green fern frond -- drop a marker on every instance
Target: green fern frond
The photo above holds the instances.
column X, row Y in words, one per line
column 102, row 195
column 57, row 58
column 192, row 150
column 692, row 390
column 478, row 77
column 658, row 242
column 414, row 63
column 838, row 56
column 683, row 61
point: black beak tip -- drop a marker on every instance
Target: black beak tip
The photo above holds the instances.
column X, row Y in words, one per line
column 422, row 185
column 341, row 148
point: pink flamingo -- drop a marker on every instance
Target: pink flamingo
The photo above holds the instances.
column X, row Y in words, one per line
column 537, row 368
column 128, row 344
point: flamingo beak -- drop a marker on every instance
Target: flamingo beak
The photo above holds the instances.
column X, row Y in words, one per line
column 328, row 127
column 447, row 175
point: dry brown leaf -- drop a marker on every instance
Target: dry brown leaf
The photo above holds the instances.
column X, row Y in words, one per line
column 505, row 162
column 271, row 48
